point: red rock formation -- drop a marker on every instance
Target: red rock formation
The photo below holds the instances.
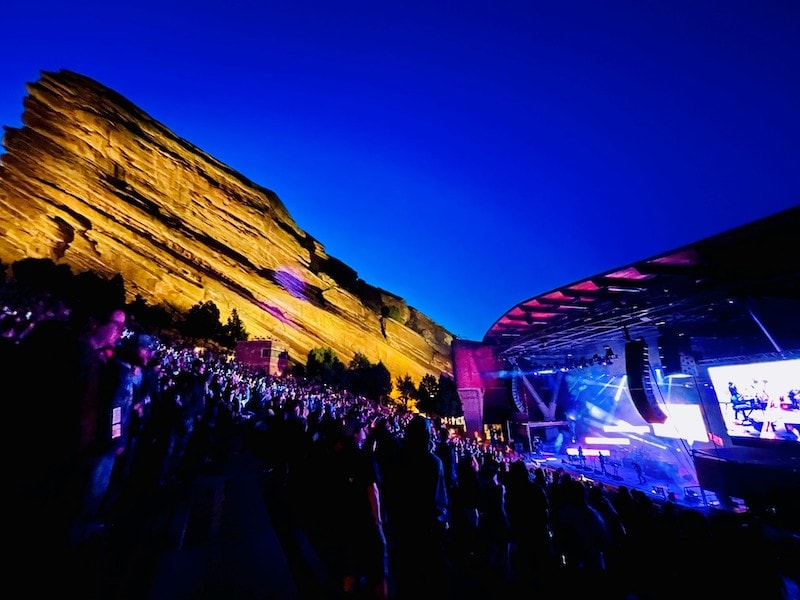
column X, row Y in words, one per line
column 92, row 181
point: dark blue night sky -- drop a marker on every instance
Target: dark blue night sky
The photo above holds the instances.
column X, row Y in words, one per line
column 463, row 155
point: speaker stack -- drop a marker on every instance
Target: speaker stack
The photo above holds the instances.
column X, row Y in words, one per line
column 637, row 367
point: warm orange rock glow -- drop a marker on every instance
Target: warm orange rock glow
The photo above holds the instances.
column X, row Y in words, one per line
column 92, row 181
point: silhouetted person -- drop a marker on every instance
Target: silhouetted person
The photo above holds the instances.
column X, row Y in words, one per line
column 464, row 512
column 421, row 523
column 188, row 444
column 447, row 453
column 529, row 527
column 53, row 383
column 581, row 538
column 120, row 377
column 614, row 553
column 353, row 539
column 146, row 445
column 386, row 450
column 493, row 527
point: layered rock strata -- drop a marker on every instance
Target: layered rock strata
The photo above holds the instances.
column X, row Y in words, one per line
column 92, row 181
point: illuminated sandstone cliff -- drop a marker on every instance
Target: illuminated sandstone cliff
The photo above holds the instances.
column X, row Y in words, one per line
column 93, row 182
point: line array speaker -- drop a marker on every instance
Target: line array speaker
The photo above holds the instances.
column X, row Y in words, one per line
column 637, row 367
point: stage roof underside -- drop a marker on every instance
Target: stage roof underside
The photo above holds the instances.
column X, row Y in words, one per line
column 722, row 287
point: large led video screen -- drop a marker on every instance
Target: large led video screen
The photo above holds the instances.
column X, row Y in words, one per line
column 759, row 401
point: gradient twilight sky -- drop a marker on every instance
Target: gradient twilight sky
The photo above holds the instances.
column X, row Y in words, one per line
column 464, row 155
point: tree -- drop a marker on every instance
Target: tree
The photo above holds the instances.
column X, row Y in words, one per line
column 92, row 292
column 42, row 274
column 202, row 321
column 366, row 379
column 392, row 312
column 154, row 318
column 406, row 388
column 359, row 361
column 233, row 331
column 298, row 371
column 323, row 364
column 448, row 402
column 380, row 382
column 427, row 394
column 358, row 373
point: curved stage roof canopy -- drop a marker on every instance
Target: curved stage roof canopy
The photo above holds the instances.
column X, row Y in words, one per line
column 723, row 287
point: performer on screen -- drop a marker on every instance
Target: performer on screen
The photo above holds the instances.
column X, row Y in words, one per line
column 741, row 406
column 772, row 417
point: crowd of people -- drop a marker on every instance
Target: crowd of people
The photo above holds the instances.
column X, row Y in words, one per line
column 394, row 503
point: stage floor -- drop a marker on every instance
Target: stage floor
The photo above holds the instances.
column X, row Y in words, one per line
column 659, row 489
